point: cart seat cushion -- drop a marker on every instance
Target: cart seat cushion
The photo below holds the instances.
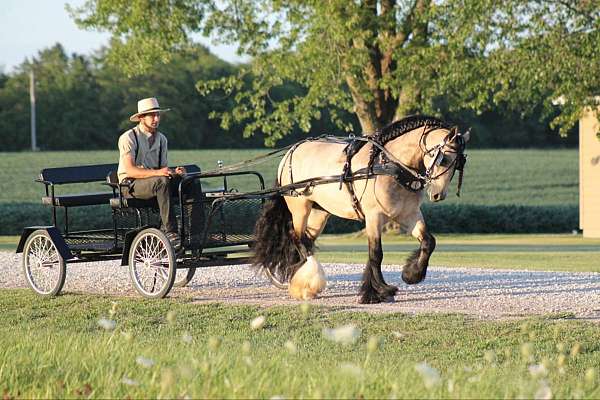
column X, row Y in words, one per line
column 80, row 199
column 133, row 202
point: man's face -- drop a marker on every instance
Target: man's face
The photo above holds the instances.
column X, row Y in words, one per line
column 150, row 121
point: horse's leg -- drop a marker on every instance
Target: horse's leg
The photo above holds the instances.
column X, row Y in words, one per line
column 309, row 280
column 415, row 268
column 374, row 289
column 316, row 223
column 300, row 208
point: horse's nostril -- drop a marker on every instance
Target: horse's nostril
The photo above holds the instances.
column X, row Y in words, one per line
column 436, row 196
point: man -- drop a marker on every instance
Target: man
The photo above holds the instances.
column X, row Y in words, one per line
column 143, row 163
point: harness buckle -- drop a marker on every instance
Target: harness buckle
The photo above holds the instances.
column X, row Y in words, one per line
column 345, row 175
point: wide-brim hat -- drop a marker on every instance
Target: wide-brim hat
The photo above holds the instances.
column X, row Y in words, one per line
column 146, row 106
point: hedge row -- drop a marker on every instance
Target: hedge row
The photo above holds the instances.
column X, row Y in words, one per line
column 442, row 218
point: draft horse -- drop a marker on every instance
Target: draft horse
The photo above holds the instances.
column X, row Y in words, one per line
column 374, row 178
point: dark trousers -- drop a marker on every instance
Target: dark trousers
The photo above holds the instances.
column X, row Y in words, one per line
column 162, row 188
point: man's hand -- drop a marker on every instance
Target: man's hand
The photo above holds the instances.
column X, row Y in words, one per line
column 180, row 170
column 163, row 172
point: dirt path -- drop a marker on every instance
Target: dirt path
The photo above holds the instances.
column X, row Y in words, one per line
column 482, row 293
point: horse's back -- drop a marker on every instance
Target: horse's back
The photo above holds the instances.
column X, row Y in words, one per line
column 312, row 159
column 315, row 159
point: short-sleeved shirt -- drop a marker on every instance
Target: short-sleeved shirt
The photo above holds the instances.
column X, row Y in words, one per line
column 147, row 157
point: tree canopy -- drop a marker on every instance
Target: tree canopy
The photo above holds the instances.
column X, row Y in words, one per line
column 379, row 59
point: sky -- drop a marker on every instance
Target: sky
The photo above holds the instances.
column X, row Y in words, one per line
column 28, row 26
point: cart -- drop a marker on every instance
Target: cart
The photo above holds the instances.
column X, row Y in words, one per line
column 215, row 223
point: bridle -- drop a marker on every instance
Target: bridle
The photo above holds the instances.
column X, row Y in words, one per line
column 417, row 179
column 438, row 154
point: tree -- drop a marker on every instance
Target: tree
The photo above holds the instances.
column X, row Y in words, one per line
column 381, row 59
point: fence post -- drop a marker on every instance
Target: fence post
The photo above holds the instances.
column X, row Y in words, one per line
column 32, row 102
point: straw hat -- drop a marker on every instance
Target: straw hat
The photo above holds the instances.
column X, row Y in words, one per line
column 146, row 106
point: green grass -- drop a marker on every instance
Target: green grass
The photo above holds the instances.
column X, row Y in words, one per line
column 55, row 348
column 532, row 252
column 492, row 177
column 8, row 243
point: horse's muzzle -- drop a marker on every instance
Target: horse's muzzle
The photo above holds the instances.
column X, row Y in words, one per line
column 437, row 197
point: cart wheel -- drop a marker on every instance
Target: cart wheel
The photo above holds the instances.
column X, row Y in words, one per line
column 279, row 284
column 184, row 276
column 44, row 268
column 152, row 263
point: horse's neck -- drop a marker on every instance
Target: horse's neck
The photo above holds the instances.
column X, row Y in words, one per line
column 406, row 148
column 409, row 149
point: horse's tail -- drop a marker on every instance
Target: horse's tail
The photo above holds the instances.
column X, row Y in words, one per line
column 275, row 248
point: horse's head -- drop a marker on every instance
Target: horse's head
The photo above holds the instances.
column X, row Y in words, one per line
column 443, row 154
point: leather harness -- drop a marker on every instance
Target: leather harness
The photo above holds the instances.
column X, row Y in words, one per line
column 381, row 162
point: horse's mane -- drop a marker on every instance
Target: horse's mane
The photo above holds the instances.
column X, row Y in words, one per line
column 400, row 127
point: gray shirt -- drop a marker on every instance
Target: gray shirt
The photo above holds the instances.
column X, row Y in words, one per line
column 147, row 157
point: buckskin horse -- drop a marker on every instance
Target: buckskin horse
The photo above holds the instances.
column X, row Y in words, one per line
column 374, row 178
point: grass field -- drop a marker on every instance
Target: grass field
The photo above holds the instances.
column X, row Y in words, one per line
column 532, row 252
column 107, row 347
column 492, row 177
column 96, row 347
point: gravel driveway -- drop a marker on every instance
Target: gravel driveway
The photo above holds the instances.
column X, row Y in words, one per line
column 482, row 293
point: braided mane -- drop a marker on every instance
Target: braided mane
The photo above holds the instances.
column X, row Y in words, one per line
column 400, row 127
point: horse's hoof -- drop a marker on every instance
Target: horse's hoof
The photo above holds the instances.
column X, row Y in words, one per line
column 413, row 277
column 389, row 299
column 391, row 290
column 369, row 298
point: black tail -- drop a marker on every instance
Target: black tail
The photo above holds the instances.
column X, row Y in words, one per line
column 276, row 247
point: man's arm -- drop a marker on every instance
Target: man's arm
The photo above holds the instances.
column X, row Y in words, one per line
column 135, row 172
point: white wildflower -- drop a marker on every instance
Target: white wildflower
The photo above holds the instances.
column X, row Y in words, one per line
column 398, row 335
column 527, row 351
column 113, row 309
column 214, row 342
column 187, row 338
column 171, row 316
column 590, row 375
column 373, row 344
column 129, row 382
column 258, row 322
column 107, row 324
column 128, row 336
column 431, row 376
column 450, row 385
column 290, row 347
column 538, row 370
column 575, row 350
column 144, row 362
column 346, row 334
column 544, row 392
column 351, row 369
column 489, row 356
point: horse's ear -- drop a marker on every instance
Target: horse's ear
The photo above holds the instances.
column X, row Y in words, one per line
column 466, row 136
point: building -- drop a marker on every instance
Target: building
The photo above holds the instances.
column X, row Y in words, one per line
column 589, row 174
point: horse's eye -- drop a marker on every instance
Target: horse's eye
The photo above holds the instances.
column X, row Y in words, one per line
column 446, row 161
